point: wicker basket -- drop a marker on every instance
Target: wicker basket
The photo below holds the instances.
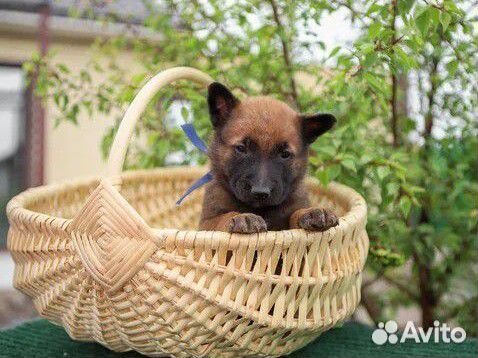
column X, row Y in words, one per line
column 89, row 255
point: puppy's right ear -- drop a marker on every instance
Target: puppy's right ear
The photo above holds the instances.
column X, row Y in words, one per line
column 221, row 103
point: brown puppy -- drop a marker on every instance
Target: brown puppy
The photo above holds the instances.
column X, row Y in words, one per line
column 259, row 157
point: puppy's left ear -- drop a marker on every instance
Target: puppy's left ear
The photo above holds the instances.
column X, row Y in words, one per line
column 221, row 103
column 314, row 125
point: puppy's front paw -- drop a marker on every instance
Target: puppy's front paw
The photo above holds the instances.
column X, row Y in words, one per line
column 316, row 219
column 247, row 224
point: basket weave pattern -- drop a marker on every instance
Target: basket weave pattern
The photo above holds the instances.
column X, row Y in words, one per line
column 123, row 266
column 93, row 265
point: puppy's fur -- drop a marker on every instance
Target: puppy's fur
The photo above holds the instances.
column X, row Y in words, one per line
column 259, row 156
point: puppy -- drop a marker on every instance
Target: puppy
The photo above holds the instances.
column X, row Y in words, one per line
column 259, row 157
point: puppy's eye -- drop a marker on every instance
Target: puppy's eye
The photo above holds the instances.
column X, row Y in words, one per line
column 240, row 148
column 285, row 154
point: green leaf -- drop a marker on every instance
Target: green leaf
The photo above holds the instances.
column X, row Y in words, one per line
column 383, row 172
column 349, row 164
column 386, row 257
column 434, row 17
column 408, row 125
column 334, row 51
column 28, row 67
column 405, row 6
column 375, row 82
column 392, row 188
column 445, row 19
column 405, row 205
column 366, row 48
column 36, row 57
column 62, row 68
column 137, row 79
column 404, row 59
column 374, row 29
column 423, row 22
column 326, row 149
column 323, row 176
column 374, row 8
column 365, row 159
column 184, row 113
column 314, row 161
column 334, row 171
column 451, row 67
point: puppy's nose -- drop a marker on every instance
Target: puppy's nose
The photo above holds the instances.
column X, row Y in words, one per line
column 260, row 192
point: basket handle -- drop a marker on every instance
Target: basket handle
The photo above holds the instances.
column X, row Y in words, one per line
column 137, row 107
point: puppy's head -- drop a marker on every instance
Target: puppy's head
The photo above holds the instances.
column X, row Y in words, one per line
column 260, row 146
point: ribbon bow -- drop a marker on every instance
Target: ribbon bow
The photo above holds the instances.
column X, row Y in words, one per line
column 199, row 144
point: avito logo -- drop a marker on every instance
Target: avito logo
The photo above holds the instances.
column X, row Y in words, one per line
column 388, row 332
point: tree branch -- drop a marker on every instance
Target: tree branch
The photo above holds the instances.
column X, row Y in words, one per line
column 393, row 99
column 370, row 303
column 427, row 297
column 286, row 54
column 431, row 100
column 436, row 6
column 378, row 276
column 402, row 287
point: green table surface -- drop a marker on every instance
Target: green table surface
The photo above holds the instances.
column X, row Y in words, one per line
column 39, row 338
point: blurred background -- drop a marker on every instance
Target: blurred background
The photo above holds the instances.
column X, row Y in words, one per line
column 400, row 75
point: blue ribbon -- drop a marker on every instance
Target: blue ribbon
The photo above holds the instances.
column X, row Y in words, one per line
column 199, row 144
column 190, row 131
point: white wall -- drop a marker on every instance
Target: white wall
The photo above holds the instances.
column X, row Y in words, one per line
column 11, row 95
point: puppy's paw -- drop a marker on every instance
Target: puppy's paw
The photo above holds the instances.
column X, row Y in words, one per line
column 247, row 224
column 316, row 219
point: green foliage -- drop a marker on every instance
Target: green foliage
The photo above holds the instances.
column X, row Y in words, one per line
column 417, row 170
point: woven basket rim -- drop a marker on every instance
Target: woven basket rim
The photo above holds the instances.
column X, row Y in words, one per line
column 104, row 273
column 353, row 201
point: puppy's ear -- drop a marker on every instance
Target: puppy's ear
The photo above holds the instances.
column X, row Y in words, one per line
column 221, row 103
column 314, row 125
